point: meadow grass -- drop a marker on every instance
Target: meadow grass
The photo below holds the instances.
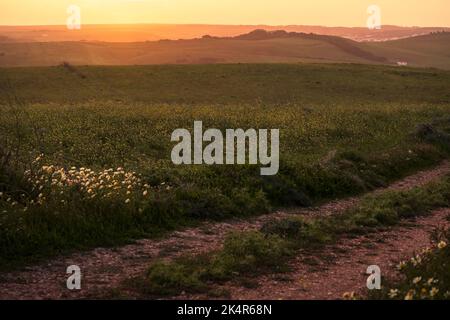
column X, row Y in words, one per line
column 307, row 85
column 106, row 177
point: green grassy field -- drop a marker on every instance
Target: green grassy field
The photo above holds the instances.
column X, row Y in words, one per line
column 344, row 129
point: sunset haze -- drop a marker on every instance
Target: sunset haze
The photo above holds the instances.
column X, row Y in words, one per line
column 281, row 12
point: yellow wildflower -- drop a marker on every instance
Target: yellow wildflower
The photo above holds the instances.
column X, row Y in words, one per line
column 416, row 280
column 434, row 291
column 442, row 245
column 393, row 293
column 410, row 295
column 349, row 296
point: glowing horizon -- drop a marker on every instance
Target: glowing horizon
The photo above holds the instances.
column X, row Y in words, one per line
column 347, row 13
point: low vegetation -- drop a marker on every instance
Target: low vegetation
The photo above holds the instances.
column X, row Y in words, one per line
column 242, row 254
column 90, row 165
column 268, row 250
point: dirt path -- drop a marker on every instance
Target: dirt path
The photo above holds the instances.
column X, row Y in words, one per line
column 341, row 268
column 104, row 269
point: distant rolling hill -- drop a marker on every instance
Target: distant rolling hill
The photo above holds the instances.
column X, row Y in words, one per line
column 258, row 46
column 154, row 32
column 431, row 50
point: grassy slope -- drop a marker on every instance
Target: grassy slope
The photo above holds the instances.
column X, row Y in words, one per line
column 429, row 50
column 344, row 129
column 307, row 84
column 184, row 51
column 425, row 51
column 314, row 104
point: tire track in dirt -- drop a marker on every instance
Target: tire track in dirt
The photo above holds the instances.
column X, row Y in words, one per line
column 106, row 268
column 334, row 270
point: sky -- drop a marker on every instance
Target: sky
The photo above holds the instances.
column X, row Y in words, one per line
column 273, row 12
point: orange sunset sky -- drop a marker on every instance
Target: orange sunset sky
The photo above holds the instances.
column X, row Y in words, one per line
column 274, row 12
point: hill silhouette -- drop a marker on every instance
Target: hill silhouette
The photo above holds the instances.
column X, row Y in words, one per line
column 257, row 46
column 346, row 45
column 154, row 32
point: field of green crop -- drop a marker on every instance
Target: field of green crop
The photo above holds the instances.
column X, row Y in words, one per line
column 85, row 151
